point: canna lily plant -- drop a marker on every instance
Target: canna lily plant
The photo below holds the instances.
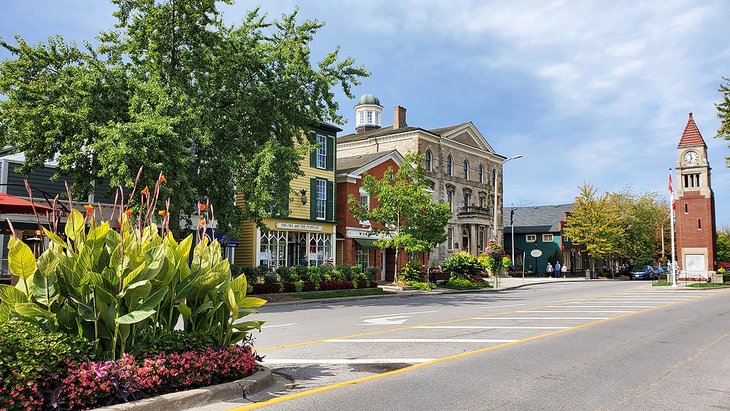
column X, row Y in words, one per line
column 112, row 285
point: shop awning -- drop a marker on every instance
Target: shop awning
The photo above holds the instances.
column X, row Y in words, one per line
column 14, row 205
column 366, row 242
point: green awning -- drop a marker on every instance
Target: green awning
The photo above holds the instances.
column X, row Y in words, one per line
column 366, row 242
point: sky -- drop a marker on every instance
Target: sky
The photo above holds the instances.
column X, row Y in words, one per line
column 588, row 92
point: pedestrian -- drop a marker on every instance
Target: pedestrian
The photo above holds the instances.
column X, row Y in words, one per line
column 565, row 271
column 549, row 269
column 557, row 269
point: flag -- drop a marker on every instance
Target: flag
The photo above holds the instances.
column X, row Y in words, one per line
column 671, row 191
column 511, row 216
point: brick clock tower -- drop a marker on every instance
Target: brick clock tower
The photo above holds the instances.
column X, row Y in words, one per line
column 695, row 206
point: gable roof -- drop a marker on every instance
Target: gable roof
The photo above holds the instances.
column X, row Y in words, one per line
column 363, row 162
column 691, row 135
column 535, row 220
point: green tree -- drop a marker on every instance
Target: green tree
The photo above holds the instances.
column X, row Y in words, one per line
column 594, row 223
column 219, row 108
column 723, row 112
column 406, row 217
column 643, row 219
column 723, row 245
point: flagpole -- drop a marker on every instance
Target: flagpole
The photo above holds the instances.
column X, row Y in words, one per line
column 671, row 225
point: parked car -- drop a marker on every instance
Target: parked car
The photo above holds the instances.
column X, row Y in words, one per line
column 643, row 272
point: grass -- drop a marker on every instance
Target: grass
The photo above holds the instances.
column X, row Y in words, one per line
column 357, row 292
column 709, row 285
column 662, row 284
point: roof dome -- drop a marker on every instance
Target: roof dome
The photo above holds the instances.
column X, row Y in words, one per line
column 368, row 99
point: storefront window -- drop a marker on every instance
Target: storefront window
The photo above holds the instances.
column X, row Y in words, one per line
column 272, row 252
column 320, row 249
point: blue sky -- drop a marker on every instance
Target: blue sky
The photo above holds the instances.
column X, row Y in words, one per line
column 589, row 92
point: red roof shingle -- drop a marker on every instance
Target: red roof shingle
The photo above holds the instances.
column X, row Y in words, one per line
column 691, row 135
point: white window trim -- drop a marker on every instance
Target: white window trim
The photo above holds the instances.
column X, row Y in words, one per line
column 364, row 195
column 547, row 238
column 321, row 152
column 530, row 238
column 321, row 200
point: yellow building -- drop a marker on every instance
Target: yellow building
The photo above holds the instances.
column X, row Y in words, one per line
column 307, row 235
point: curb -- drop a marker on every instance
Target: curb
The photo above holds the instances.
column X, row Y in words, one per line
column 199, row 397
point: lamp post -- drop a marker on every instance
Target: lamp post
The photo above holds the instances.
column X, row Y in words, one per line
column 496, row 184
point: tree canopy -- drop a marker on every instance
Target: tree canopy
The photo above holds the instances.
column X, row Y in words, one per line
column 405, row 215
column 723, row 112
column 219, row 108
column 723, row 245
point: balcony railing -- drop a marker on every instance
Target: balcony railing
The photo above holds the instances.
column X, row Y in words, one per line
column 471, row 209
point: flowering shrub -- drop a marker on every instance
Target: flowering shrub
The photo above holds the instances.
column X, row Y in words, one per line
column 473, row 283
column 91, row 384
column 494, row 258
column 462, row 265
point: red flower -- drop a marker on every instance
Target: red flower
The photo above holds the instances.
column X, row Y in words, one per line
column 89, row 208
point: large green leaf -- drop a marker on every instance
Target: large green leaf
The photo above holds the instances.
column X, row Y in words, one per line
column 45, row 289
column 55, row 238
column 154, row 299
column 132, row 277
column 20, row 259
column 136, row 293
column 47, row 263
column 12, row 295
column 74, row 225
column 134, row 317
column 32, row 310
column 183, row 249
column 251, row 302
column 249, row 325
column 184, row 310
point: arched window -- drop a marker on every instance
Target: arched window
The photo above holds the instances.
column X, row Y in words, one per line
column 428, row 160
column 481, row 173
column 466, row 169
column 449, row 165
column 494, row 176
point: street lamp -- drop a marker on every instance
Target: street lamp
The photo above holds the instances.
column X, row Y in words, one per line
column 496, row 184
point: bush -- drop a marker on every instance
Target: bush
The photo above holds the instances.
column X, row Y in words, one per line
column 412, row 272
column 371, row 272
column 462, row 265
column 282, row 273
column 335, row 285
column 459, row 283
column 28, row 354
column 423, row 286
column 268, row 288
column 312, row 274
column 345, row 272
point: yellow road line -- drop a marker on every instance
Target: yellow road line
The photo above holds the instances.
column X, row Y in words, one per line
column 444, row 359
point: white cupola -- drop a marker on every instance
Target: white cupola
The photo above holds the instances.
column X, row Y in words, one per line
column 367, row 113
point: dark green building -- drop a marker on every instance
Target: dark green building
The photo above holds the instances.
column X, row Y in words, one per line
column 540, row 228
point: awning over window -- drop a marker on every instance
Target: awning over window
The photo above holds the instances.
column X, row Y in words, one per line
column 366, row 242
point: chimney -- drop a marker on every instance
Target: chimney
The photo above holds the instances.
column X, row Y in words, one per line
column 399, row 117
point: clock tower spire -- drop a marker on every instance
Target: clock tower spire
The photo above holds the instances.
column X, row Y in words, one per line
column 695, row 206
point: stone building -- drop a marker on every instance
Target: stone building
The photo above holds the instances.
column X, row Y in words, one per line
column 459, row 161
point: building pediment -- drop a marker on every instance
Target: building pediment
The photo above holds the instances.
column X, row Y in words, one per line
column 469, row 135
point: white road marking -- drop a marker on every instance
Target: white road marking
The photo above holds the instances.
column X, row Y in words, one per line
column 540, row 318
column 575, row 311
column 601, row 306
column 278, row 325
column 394, row 314
column 634, row 302
column 487, row 327
column 418, row 340
column 398, row 319
column 274, row 361
column 503, row 306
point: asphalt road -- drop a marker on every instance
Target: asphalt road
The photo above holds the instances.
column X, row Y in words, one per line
column 566, row 346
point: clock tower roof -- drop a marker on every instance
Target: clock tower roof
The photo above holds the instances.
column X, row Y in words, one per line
column 691, row 135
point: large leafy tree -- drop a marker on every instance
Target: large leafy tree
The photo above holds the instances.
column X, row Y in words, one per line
column 219, row 108
column 406, row 217
column 723, row 112
column 595, row 223
column 723, row 245
column 644, row 220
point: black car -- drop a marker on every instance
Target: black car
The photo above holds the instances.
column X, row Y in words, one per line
column 643, row 272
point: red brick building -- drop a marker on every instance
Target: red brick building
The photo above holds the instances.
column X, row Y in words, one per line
column 694, row 206
column 355, row 238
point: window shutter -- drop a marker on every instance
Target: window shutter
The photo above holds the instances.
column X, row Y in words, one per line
column 312, row 198
column 313, row 153
column 330, row 201
column 331, row 151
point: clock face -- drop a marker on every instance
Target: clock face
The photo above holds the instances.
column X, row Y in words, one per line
column 691, row 158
